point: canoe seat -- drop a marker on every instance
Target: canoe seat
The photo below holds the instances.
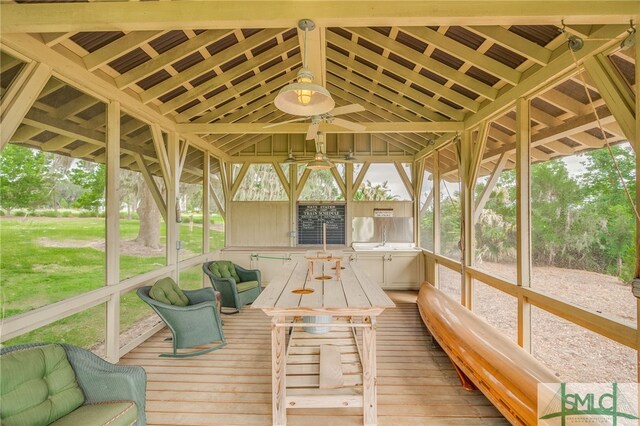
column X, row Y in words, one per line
column 483, row 357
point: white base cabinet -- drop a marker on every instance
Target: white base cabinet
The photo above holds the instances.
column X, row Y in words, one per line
column 392, row 270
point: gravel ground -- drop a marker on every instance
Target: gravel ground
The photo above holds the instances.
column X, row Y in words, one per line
column 571, row 352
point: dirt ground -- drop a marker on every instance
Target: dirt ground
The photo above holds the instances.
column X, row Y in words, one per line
column 571, row 352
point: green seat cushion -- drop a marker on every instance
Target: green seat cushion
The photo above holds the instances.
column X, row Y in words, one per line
column 117, row 413
column 37, row 386
column 224, row 269
column 247, row 285
column 167, row 291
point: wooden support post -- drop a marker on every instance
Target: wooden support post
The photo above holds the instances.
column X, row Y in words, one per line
column 418, row 177
column 523, row 219
column 112, row 242
column 279, row 372
column 206, row 216
column 369, row 373
column 173, row 179
column 293, row 199
column 348, row 196
column 636, row 146
column 19, row 99
column 436, row 214
column 467, row 205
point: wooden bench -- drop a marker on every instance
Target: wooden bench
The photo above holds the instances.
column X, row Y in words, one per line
column 483, row 357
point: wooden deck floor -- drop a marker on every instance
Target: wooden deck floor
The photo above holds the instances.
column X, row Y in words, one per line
column 232, row 386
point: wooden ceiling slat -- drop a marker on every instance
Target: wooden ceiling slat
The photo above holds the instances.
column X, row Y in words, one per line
column 428, row 63
column 121, row 46
column 168, row 57
column 412, row 76
column 406, row 103
column 510, row 40
column 208, row 64
column 467, row 54
column 236, row 90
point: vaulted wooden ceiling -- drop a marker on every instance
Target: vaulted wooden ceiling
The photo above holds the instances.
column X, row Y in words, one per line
column 421, row 79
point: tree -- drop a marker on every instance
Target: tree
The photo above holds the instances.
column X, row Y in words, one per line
column 606, row 202
column 321, row 186
column 91, row 177
column 23, row 182
column 149, row 217
column 371, row 192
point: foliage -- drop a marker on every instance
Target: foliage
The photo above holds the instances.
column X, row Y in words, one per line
column 91, row 177
column 321, row 186
column 371, row 192
column 22, row 178
column 261, row 183
column 582, row 221
column 35, row 273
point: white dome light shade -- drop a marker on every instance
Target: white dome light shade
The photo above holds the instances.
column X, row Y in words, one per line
column 303, row 97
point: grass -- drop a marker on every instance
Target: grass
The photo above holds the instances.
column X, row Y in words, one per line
column 35, row 274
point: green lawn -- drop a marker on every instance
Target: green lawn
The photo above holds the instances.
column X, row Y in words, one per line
column 45, row 260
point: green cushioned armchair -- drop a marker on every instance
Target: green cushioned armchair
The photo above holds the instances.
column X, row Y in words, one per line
column 237, row 285
column 39, row 388
column 191, row 315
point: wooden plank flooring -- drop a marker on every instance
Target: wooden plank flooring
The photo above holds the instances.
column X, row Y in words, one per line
column 232, row 386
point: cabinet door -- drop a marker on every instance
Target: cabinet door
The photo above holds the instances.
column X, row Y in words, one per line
column 373, row 265
column 402, row 272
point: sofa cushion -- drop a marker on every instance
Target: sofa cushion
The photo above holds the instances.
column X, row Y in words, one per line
column 224, row 269
column 37, row 386
column 115, row 413
column 247, row 285
column 167, row 291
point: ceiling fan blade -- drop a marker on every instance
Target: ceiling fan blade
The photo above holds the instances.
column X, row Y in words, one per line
column 347, row 109
column 284, row 122
column 312, row 131
column 356, row 127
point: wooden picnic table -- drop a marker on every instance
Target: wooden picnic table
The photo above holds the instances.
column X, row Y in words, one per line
column 354, row 301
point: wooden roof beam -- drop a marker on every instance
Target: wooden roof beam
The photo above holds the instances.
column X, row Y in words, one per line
column 465, row 53
column 412, row 76
column 211, row 63
column 118, row 48
column 536, row 79
column 236, row 90
column 523, row 47
column 167, row 58
column 140, row 16
column 383, row 127
column 316, row 53
column 243, row 101
column 407, row 97
column 427, row 62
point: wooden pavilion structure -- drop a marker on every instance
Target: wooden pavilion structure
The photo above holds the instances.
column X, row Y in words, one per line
column 183, row 90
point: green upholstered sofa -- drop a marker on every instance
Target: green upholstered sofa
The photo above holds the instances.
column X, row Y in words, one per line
column 58, row 384
column 237, row 285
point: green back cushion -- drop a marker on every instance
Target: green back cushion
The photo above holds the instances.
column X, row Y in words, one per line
column 167, row 291
column 37, row 386
column 224, row 269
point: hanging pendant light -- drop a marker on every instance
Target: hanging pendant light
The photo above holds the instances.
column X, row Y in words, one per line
column 320, row 160
column 304, row 98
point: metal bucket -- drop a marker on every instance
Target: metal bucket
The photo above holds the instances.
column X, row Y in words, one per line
column 324, row 319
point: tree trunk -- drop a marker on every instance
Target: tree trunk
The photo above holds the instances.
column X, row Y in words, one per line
column 149, row 217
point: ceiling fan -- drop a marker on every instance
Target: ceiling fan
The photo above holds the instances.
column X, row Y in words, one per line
column 320, row 160
column 312, row 101
column 328, row 117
